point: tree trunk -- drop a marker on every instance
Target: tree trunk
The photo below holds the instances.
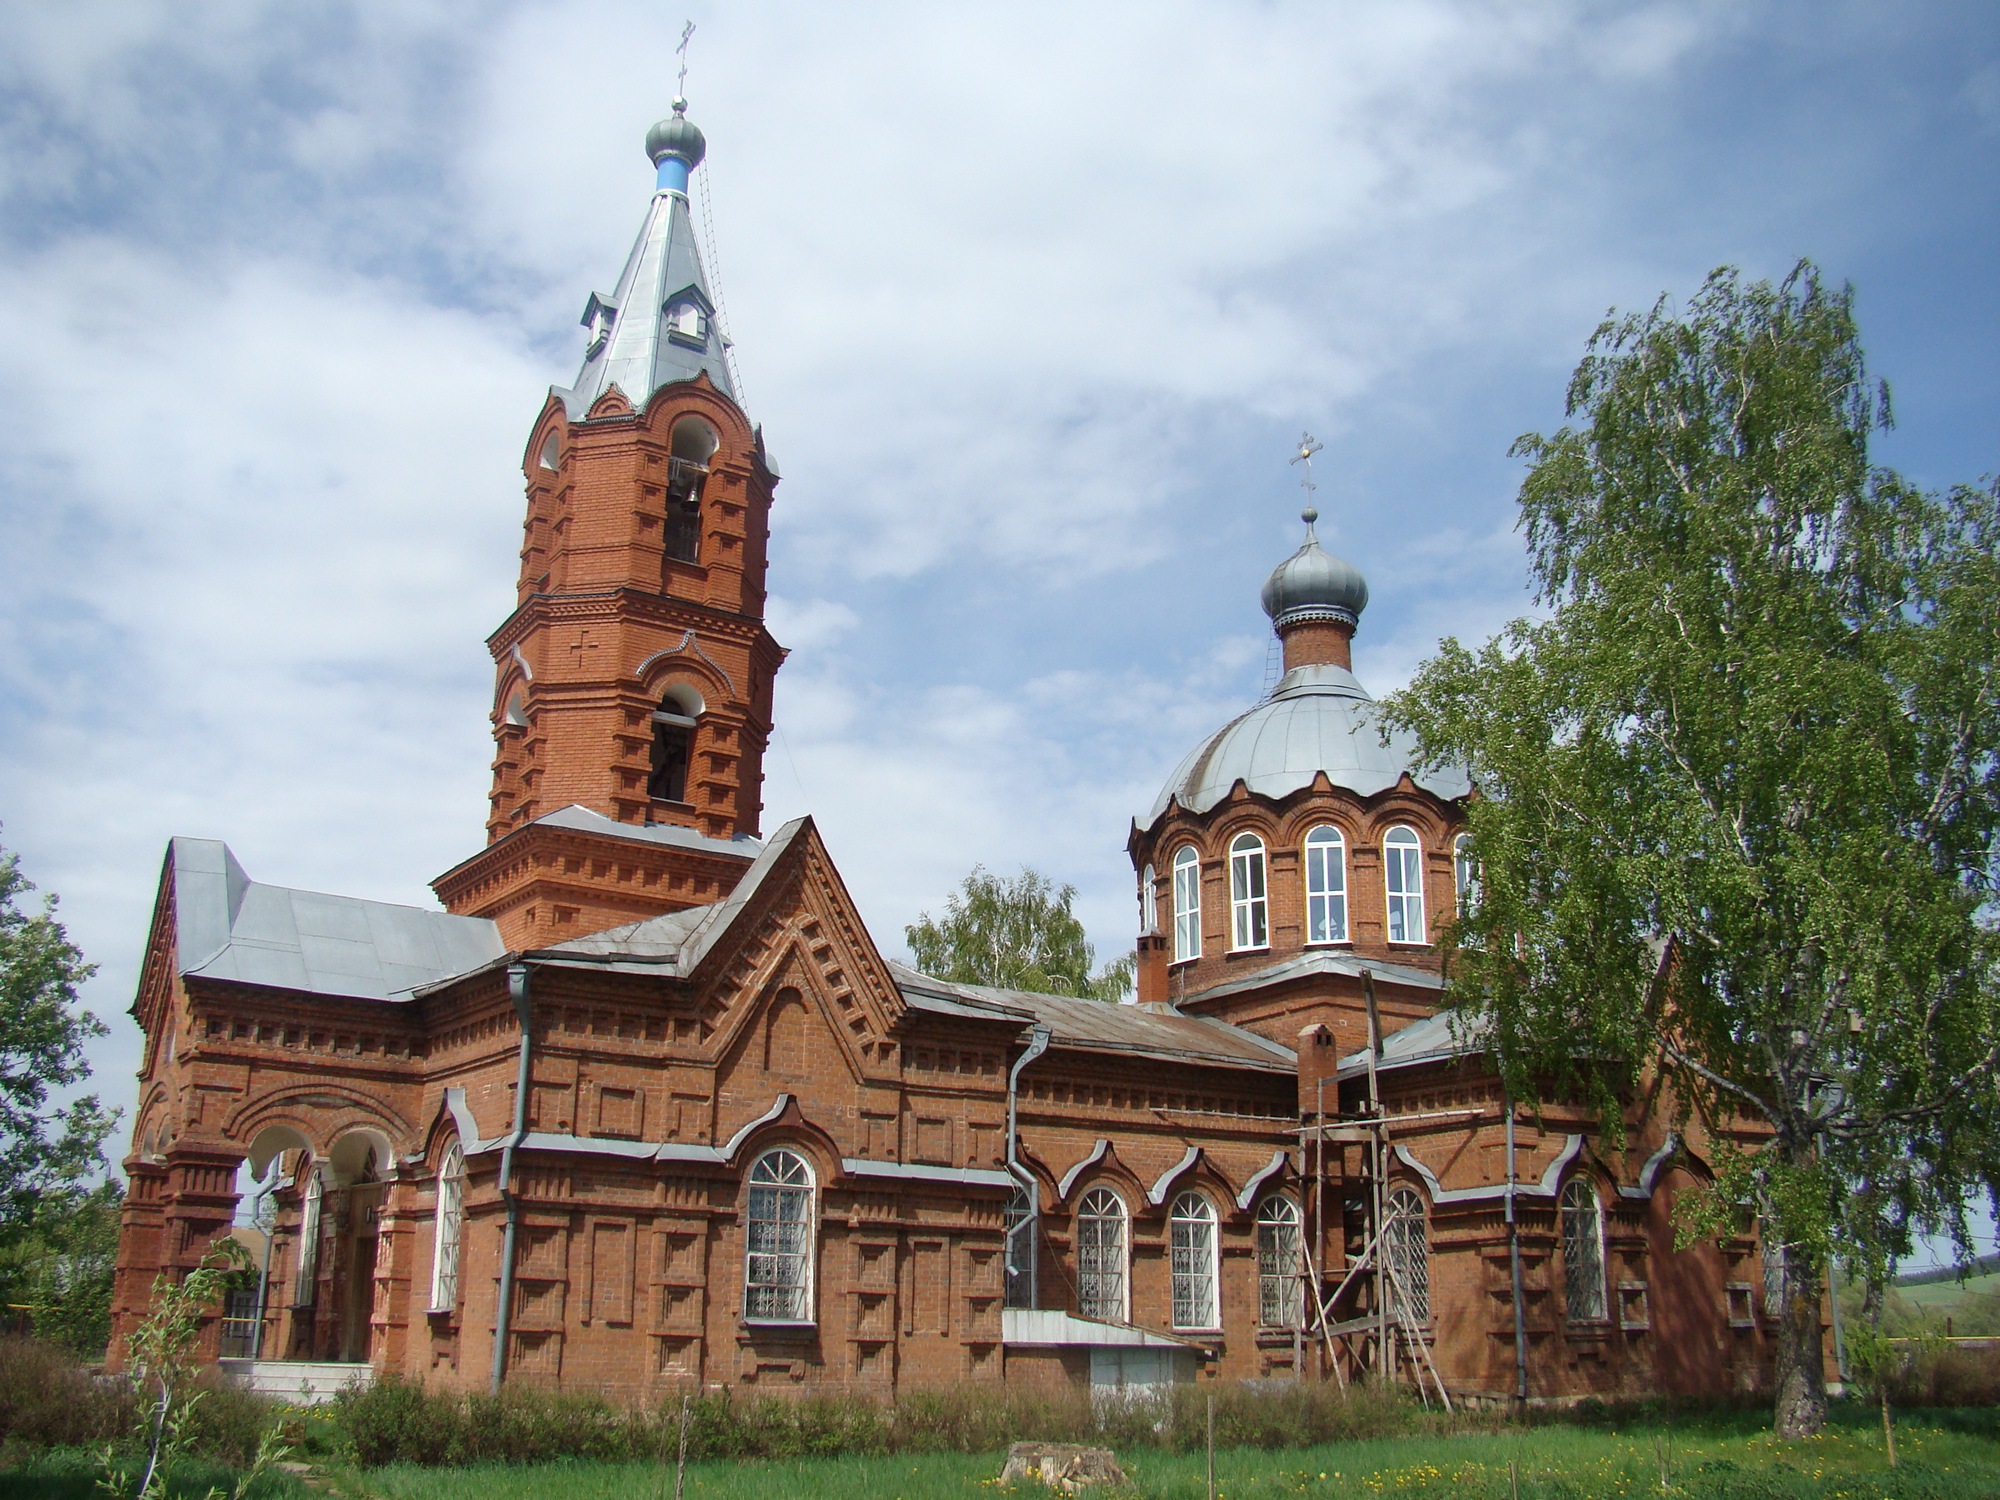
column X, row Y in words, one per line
column 1801, row 1361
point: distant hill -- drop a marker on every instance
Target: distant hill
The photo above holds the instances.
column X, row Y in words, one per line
column 1986, row 1265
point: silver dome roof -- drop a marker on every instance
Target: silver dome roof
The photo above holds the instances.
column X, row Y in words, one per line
column 1313, row 584
column 1320, row 718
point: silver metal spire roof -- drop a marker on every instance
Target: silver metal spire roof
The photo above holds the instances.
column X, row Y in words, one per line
column 660, row 326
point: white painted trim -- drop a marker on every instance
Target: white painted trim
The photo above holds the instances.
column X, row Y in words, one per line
column 860, row 1166
column 1649, row 1175
column 1157, row 1195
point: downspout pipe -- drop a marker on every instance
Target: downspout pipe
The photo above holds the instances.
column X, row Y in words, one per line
column 517, row 991
column 1038, row 1043
column 1514, row 1265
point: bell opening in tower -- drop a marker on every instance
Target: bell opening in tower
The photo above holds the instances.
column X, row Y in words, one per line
column 694, row 444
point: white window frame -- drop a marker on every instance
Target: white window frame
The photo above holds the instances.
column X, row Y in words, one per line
column 1326, row 886
column 1194, row 1264
column 1409, row 1251
column 1249, row 895
column 780, row 1236
column 1403, row 884
column 1187, row 904
column 449, row 1230
column 309, row 1221
column 1583, row 1253
column 1149, row 903
column 1280, row 1255
column 1103, row 1254
column 1465, row 875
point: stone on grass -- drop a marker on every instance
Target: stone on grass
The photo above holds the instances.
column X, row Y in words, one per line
column 1068, row 1467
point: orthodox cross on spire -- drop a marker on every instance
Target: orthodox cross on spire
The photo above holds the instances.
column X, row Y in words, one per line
column 687, row 34
column 1308, row 446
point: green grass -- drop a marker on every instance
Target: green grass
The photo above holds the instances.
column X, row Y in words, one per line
column 1946, row 1295
column 1944, row 1457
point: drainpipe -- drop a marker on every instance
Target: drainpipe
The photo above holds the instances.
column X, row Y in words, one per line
column 1038, row 1043
column 1514, row 1262
column 258, row 1215
column 517, row 991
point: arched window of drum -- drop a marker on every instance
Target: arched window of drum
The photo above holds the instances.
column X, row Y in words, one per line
column 1149, row 919
column 449, row 1228
column 1021, row 1234
column 1249, row 907
column 1583, row 1251
column 309, row 1212
column 1101, row 1256
column 694, row 444
column 673, row 747
column 1326, row 886
column 778, row 1240
column 1187, row 904
column 1191, row 1231
column 1280, row 1296
column 1409, row 1256
column 1403, row 876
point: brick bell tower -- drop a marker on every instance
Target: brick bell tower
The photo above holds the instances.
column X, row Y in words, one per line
column 632, row 696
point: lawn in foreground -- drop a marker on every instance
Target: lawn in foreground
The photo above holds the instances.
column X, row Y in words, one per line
column 1714, row 1461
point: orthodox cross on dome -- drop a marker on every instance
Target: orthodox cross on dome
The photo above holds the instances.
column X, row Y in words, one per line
column 687, row 33
column 1308, row 446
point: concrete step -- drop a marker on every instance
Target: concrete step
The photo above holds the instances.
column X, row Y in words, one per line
column 299, row 1382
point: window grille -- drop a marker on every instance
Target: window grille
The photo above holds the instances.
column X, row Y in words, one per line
column 1187, row 904
column 1583, row 1252
column 1409, row 1256
column 1326, row 886
column 450, row 1225
column 1248, row 904
column 1191, row 1229
column 1774, row 1276
column 1465, row 871
column 1100, row 1255
column 1403, row 875
column 1021, row 1234
column 1280, row 1299
column 777, row 1265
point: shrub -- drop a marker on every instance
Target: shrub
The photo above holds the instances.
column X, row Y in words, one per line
column 49, row 1399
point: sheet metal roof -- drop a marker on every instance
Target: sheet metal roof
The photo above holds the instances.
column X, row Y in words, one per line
column 1437, row 1038
column 228, row 926
column 1321, row 961
column 586, row 821
column 1094, row 1024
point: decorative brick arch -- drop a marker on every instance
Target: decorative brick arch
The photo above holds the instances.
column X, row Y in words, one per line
column 305, row 1107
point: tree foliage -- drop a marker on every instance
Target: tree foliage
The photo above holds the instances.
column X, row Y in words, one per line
column 1757, row 723
column 60, row 1266
column 44, row 1147
column 1018, row 934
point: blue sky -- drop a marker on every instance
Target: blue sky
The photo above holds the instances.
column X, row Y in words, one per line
column 1032, row 302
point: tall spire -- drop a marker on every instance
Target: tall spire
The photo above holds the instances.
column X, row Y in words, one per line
column 660, row 325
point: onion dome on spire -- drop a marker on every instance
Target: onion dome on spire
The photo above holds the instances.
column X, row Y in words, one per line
column 1313, row 584
column 661, row 325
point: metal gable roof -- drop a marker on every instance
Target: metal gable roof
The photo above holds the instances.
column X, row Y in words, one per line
column 228, row 926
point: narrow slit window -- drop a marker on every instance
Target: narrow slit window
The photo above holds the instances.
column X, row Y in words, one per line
column 309, row 1216
column 1409, row 1257
column 449, row 1227
column 1326, row 886
column 1583, row 1252
column 1249, row 906
column 1280, row 1294
column 673, row 751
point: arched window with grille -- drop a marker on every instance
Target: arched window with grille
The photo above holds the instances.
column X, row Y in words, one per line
column 1249, row 905
column 1403, row 878
column 309, row 1215
column 1409, row 1255
column 1326, row 885
column 1021, row 1235
column 1101, row 1256
column 1280, row 1297
column 1197, row 1297
column 1583, row 1251
column 448, row 1229
column 1187, row 904
column 778, row 1240
column 1774, row 1274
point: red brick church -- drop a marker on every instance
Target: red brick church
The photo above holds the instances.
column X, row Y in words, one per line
column 643, row 1106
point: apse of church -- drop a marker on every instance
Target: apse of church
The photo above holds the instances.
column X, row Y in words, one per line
column 642, row 1107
